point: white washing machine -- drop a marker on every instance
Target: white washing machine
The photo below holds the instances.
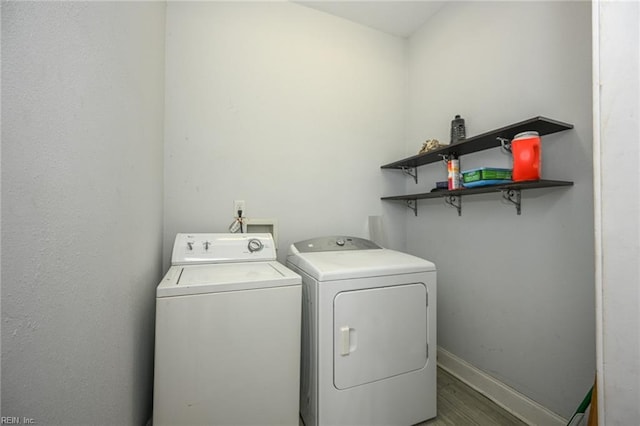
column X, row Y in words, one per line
column 368, row 333
column 227, row 348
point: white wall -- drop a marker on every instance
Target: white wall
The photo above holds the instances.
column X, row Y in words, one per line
column 82, row 110
column 617, row 207
column 290, row 109
column 516, row 292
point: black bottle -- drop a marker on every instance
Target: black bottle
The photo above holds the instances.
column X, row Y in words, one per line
column 458, row 131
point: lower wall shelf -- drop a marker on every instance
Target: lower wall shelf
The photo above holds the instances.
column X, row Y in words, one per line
column 510, row 192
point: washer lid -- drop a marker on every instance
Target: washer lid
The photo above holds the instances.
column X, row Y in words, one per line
column 216, row 278
column 340, row 265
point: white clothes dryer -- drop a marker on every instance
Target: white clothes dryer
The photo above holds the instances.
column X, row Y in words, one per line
column 227, row 349
column 368, row 333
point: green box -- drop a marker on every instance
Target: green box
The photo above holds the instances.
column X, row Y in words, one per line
column 486, row 173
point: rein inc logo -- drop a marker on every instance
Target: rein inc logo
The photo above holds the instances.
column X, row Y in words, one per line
column 17, row 421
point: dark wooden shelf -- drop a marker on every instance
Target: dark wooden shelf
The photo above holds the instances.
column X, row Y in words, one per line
column 542, row 125
column 514, row 186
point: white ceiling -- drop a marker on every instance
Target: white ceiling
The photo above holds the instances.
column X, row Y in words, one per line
column 396, row 17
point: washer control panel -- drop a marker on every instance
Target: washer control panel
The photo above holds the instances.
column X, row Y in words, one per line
column 222, row 248
column 335, row 243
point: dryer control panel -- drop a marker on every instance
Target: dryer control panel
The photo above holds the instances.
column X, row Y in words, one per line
column 335, row 243
column 200, row 248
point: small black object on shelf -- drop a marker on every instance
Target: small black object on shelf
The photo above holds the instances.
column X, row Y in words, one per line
column 458, row 130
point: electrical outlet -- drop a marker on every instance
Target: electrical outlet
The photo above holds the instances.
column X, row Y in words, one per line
column 239, row 205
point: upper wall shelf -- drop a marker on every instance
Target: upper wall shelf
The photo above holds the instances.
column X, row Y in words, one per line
column 542, row 125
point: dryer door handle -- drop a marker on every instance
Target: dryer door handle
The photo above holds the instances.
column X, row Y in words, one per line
column 348, row 340
column 344, row 337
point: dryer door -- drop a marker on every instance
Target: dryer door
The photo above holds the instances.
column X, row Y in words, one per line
column 379, row 333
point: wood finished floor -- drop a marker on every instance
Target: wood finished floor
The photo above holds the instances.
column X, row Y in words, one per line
column 460, row 405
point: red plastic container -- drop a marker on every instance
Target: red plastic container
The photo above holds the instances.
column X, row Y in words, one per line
column 526, row 156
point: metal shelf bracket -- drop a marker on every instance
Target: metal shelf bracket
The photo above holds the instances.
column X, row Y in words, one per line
column 413, row 205
column 411, row 171
column 505, row 144
column 455, row 201
column 514, row 197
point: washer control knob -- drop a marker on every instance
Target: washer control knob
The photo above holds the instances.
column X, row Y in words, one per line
column 189, row 245
column 206, row 245
column 255, row 245
column 340, row 242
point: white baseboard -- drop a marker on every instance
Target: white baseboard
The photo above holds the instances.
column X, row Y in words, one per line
column 511, row 400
